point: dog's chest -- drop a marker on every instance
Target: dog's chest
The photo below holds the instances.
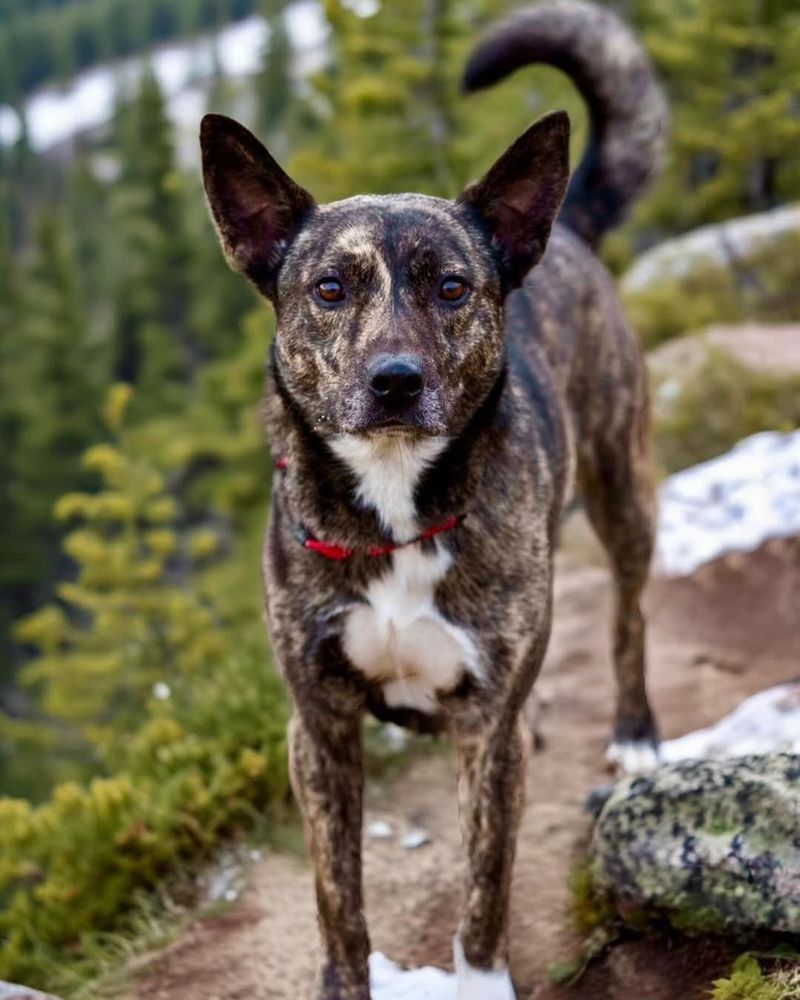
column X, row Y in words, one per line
column 398, row 636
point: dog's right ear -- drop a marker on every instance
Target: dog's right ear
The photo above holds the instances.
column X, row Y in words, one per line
column 256, row 206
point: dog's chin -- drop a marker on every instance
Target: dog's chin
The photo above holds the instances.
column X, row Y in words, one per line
column 397, row 429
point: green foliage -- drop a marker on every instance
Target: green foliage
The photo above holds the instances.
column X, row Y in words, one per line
column 274, row 83
column 389, row 114
column 196, row 769
column 748, row 981
column 170, row 686
column 589, row 909
column 732, row 79
column 718, row 406
column 124, row 624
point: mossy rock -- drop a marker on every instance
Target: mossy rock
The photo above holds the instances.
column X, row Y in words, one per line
column 711, row 845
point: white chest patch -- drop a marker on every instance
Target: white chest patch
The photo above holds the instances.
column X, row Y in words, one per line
column 398, row 636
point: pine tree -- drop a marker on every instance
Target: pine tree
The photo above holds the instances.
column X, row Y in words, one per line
column 155, row 348
column 274, row 84
column 56, row 375
column 125, row 630
column 731, row 70
column 390, row 115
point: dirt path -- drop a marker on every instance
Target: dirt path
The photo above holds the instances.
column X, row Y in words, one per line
column 704, row 657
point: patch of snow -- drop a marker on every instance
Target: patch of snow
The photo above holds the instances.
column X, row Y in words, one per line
column 415, row 838
column 389, row 982
column 733, row 503
column 379, row 829
column 720, row 244
column 56, row 115
column 769, row 722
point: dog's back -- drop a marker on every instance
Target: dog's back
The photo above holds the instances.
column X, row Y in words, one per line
column 566, row 323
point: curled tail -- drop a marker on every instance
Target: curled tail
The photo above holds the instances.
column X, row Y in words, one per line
column 627, row 108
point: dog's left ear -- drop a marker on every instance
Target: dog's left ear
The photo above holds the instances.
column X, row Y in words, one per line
column 519, row 197
column 256, row 206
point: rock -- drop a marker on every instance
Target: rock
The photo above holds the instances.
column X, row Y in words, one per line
column 770, row 348
column 711, row 845
column 11, row 991
column 722, row 244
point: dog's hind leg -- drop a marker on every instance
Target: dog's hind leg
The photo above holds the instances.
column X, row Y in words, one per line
column 617, row 486
column 492, row 795
column 327, row 778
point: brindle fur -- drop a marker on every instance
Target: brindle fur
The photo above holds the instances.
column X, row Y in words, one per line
column 535, row 381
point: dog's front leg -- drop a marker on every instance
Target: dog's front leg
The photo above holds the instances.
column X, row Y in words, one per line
column 327, row 779
column 493, row 775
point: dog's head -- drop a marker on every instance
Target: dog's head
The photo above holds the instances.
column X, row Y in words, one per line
column 390, row 308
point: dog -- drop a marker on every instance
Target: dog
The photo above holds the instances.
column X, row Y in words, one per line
column 442, row 373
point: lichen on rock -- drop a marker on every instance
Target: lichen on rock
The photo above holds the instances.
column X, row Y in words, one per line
column 712, row 845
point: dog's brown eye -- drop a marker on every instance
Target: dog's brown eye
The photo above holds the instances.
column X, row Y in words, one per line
column 330, row 290
column 452, row 289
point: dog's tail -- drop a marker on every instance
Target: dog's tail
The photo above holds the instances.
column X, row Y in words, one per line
column 627, row 107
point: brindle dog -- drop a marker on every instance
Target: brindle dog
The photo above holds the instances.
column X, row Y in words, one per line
column 436, row 384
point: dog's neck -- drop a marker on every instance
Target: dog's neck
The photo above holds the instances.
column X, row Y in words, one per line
column 393, row 486
column 387, row 470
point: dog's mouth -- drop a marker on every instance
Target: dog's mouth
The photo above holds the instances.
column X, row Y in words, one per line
column 401, row 428
column 397, row 428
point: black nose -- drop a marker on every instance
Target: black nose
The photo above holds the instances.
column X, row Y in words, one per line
column 396, row 379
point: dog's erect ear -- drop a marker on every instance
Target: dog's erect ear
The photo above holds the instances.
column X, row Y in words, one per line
column 256, row 206
column 519, row 197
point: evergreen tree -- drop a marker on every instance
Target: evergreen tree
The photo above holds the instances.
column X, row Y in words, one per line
column 55, row 376
column 124, row 629
column 733, row 79
column 274, row 84
column 390, row 115
column 155, row 348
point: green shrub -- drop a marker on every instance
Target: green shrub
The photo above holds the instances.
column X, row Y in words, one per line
column 161, row 686
column 747, row 981
column 718, row 406
column 198, row 768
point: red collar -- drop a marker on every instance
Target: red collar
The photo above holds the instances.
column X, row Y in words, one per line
column 341, row 552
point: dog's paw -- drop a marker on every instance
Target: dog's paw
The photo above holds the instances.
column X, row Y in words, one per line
column 478, row 984
column 632, row 757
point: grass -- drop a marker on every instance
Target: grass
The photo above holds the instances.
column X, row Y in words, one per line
column 749, row 980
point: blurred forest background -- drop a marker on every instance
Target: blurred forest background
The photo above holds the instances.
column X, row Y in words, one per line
column 140, row 720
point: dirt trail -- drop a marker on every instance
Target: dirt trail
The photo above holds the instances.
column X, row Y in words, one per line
column 714, row 640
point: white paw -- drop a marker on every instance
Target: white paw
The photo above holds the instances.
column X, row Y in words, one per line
column 478, row 984
column 387, row 981
column 632, row 757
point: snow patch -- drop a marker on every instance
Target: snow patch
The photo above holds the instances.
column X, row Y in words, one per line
column 769, row 722
column 57, row 114
column 733, row 503
column 389, row 982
